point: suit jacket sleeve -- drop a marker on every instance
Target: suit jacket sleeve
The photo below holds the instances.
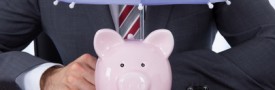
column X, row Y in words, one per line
column 19, row 25
column 249, row 27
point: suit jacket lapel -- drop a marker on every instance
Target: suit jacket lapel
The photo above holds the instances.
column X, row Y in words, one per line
column 101, row 16
column 157, row 17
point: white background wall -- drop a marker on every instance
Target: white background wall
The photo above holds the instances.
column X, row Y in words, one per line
column 219, row 45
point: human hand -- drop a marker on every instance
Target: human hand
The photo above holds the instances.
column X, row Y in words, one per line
column 78, row 75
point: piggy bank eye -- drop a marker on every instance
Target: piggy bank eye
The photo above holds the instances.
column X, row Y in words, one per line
column 142, row 65
column 122, row 65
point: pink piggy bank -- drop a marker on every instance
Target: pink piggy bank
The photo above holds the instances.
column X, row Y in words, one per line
column 133, row 64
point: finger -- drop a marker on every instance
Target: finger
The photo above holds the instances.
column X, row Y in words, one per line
column 82, row 70
column 87, row 87
column 65, row 88
column 89, row 60
column 89, row 74
column 90, row 87
column 78, row 83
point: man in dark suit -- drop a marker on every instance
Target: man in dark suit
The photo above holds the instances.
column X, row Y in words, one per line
column 248, row 26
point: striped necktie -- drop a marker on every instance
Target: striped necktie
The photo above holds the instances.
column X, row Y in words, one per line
column 129, row 20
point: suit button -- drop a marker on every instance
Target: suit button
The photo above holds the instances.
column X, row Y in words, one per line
column 205, row 88
column 198, row 88
column 190, row 88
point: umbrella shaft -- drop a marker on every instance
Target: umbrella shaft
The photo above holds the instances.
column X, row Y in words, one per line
column 141, row 32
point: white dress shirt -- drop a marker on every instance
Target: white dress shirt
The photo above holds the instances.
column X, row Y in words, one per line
column 30, row 80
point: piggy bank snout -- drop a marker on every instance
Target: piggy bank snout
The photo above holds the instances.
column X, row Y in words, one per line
column 134, row 81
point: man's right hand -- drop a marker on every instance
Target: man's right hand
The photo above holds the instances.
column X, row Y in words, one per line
column 78, row 75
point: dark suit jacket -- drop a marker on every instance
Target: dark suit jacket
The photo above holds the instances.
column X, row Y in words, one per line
column 249, row 27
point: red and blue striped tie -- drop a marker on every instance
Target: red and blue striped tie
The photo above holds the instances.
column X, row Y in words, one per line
column 129, row 20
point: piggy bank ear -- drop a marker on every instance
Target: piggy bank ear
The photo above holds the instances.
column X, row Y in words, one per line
column 106, row 38
column 162, row 39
